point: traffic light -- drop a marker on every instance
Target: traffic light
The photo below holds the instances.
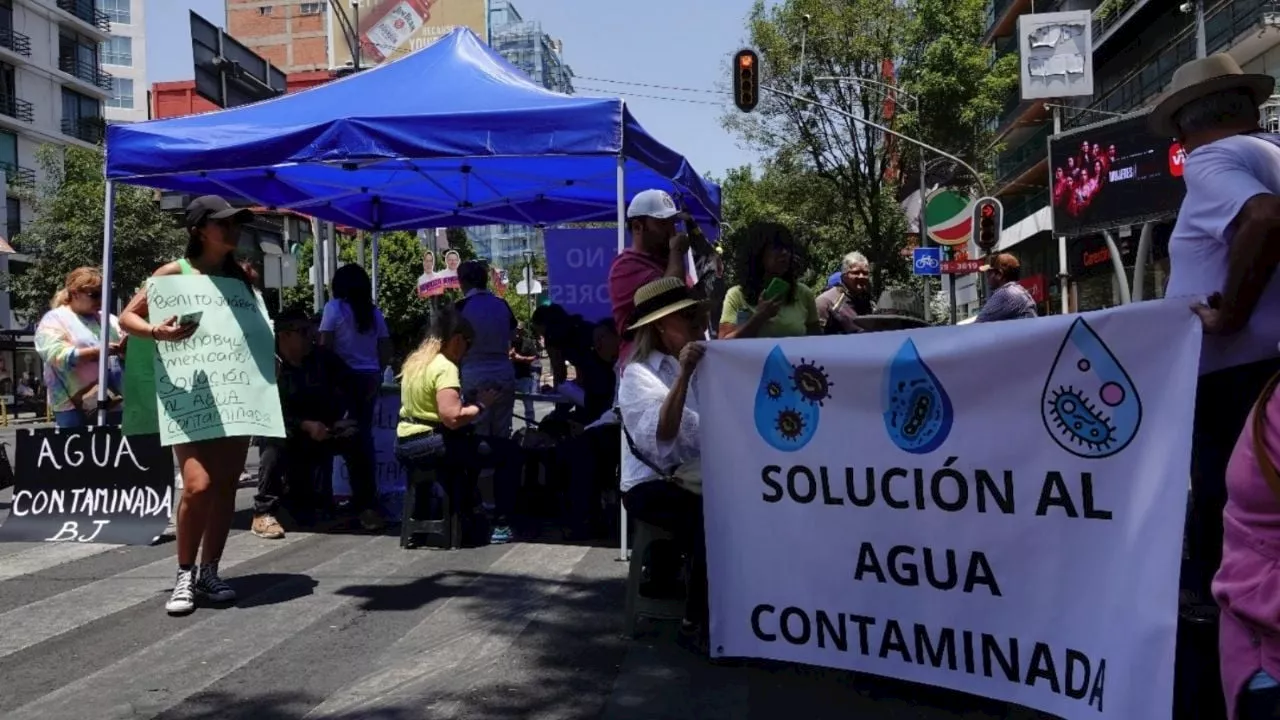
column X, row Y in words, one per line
column 746, row 80
column 988, row 219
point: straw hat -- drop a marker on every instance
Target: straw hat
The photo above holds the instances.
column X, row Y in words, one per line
column 659, row 299
column 1202, row 77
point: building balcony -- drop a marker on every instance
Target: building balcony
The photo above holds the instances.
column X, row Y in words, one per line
column 1112, row 19
column 1022, row 206
column 86, row 72
column 88, row 129
column 15, row 42
column 1226, row 23
column 18, row 176
column 1010, row 165
column 87, row 12
column 16, row 108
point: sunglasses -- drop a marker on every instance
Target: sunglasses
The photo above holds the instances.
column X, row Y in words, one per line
column 91, row 294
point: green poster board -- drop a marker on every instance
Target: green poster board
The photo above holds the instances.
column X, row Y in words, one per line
column 140, row 416
column 220, row 382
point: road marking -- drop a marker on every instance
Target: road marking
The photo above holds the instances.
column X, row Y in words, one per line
column 168, row 672
column 47, row 555
column 464, row 633
column 39, row 621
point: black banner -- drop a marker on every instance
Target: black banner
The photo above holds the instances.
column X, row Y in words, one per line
column 89, row 485
column 1111, row 174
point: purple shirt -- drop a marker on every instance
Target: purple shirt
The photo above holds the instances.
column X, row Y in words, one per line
column 1010, row 301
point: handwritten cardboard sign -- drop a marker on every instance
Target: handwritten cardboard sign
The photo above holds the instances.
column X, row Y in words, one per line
column 221, row 381
column 89, row 485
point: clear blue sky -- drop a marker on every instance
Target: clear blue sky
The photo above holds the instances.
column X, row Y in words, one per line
column 169, row 35
column 615, row 48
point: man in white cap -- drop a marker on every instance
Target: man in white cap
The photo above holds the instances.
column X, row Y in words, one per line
column 1223, row 248
column 657, row 250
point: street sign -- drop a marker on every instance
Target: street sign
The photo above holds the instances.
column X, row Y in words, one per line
column 961, row 267
column 227, row 73
column 926, row 261
column 948, row 217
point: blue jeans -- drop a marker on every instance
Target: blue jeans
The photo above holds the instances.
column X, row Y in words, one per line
column 69, row 419
column 526, row 385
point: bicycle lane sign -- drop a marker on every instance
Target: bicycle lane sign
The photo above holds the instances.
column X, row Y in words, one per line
column 926, row 261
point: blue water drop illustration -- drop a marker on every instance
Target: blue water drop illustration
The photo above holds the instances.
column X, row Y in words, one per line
column 786, row 411
column 917, row 409
column 1089, row 404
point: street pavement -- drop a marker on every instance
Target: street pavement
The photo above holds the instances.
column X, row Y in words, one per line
column 348, row 626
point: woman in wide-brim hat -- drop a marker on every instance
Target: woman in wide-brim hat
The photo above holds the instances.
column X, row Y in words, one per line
column 660, row 426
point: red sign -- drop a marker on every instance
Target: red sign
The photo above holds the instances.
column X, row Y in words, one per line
column 1176, row 160
column 961, row 267
column 1096, row 257
column 1036, row 286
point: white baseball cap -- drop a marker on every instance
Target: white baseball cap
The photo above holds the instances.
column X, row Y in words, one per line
column 652, row 203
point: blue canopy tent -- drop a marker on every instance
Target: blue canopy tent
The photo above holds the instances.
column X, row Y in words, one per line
column 450, row 135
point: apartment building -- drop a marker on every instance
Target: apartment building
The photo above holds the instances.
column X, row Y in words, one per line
column 52, row 91
column 1137, row 46
column 124, row 57
column 293, row 35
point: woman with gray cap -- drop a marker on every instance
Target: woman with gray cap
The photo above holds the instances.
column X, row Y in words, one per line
column 210, row 468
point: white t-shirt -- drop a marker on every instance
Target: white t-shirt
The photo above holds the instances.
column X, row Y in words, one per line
column 1221, row 177
column 358, row 350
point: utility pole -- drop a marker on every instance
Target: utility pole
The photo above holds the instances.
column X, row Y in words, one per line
column 1200, row 35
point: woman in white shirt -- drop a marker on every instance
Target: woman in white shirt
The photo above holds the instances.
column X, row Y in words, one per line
column 660, row 423
column 353, row 327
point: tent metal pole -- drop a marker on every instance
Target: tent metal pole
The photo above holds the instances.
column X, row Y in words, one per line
column 373, row 264
column 317, row 266
column 622, row 204
column 104, row 321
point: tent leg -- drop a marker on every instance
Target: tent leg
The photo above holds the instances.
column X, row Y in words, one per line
column 373, row 264
column 104, row 322
column 622, row 204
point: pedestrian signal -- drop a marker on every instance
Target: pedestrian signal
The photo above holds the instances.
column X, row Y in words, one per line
column 988, row 218
column 746, row 80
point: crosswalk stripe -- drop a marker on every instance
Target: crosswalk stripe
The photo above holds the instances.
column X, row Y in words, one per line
column 46, row 556
column 462, row 633
column 39, row 621
column 166, row 673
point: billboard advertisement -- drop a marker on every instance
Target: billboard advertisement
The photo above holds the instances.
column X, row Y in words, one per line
column 1111, row 174
column 391, row 29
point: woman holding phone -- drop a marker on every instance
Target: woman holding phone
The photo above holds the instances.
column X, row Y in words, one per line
column 210, row 468
column 769, row 302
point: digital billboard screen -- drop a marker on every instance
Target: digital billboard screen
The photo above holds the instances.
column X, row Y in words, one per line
column 1112, row 174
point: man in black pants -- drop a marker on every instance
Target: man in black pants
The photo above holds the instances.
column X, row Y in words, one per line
column 317, row 427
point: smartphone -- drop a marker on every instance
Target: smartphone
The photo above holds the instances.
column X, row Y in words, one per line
column 190, row 319
column 776, row 290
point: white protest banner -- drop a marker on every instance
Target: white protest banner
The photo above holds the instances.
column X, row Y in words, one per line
column 995, row 509
column 221, row 381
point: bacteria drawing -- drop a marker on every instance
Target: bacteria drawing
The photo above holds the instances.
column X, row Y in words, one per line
column 917, row 410
column 1089, row 405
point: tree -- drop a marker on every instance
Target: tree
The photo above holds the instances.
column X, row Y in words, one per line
column 459, row 240
column 67, row 230
column 852, row 167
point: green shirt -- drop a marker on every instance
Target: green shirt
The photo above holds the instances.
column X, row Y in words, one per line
column 792, row 320
column 418, row 395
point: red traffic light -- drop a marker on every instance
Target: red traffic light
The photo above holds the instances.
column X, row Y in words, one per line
column 746, row 80
column 988, row 211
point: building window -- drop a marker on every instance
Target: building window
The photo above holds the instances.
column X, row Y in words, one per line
column 310, row 8
column 13, row 218
column 118, row 10
column 118, row 51
column 81, row 116
column 121, row 93
column 264, row 10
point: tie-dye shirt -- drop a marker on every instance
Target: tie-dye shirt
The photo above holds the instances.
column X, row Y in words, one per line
column 59, row 336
